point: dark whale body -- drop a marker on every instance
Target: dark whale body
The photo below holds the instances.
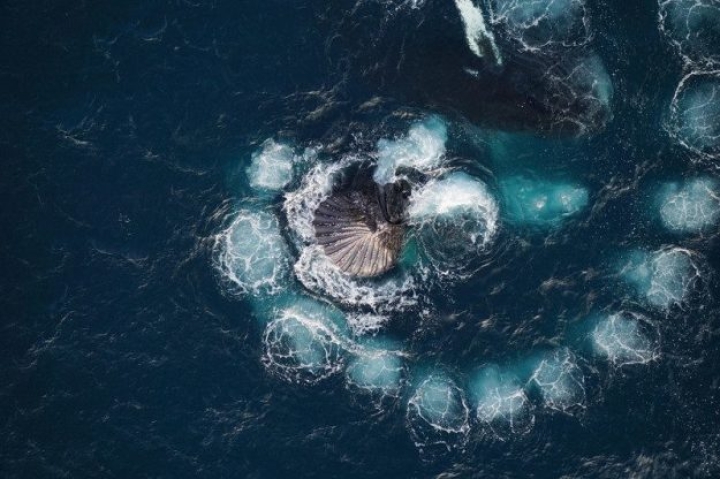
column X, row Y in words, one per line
column 420, row 57
column 361, row 225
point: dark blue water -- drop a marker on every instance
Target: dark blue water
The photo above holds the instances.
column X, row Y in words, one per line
column 125, row 134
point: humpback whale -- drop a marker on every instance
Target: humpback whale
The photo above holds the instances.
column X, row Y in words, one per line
column 449, row 57
column 361, row 225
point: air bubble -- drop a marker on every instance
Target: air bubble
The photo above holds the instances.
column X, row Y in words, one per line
column 691, row 206
column 560, row 381
column 694, row 112
column 303, row 344
column 626, row 338
column 664, row 278
column 437, row 413
column 252, row 254
column 541, row 202
column 502, row 407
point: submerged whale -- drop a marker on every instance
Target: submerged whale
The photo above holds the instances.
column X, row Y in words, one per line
column 458, row 59
column 361, row 225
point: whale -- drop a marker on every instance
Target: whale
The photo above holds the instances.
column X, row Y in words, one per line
column 361, row 224
column 448, row 57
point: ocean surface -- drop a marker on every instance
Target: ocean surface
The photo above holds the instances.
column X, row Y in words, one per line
column 167, row 311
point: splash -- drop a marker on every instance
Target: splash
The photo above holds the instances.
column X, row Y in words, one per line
column 626, row 338
column 560, row 381
column 692, row 206
column 541, row 202
column 423, row 148
column 455, row 219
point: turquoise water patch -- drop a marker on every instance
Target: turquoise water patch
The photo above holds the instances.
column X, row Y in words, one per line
column 376, row 370
column 693, row 28
column 303, row 342
column 271, row 168
column 538, row 202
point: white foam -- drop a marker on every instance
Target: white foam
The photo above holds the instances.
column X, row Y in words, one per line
column 691, row 206
column 252, row 254
column 560, row 381
column 580, row 93
column 423, row 148
column 626, row 338
column 300, row 205
column 479, row 38
column 317, row 272
column 438, row 414
column 673, row 275
column 455, row 218
column 271, row 167
column 502, row 406
column 303, row 344
column 366, row 323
